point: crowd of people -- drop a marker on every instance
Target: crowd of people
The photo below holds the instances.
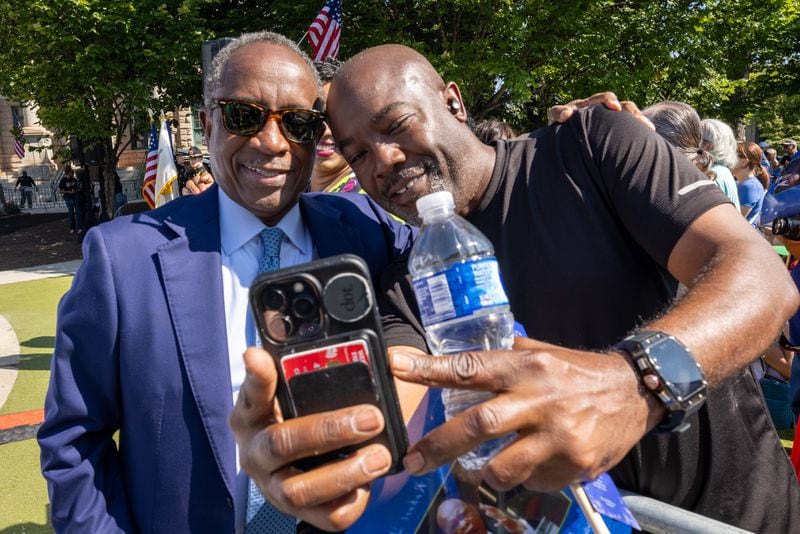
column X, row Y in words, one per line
column 612, row 239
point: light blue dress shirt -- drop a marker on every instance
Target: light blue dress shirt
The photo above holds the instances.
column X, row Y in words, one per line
column 241, row 254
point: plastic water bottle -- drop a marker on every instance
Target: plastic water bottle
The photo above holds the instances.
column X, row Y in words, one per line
column 461, row 300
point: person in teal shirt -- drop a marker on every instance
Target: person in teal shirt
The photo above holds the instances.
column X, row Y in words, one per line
column 719, row 141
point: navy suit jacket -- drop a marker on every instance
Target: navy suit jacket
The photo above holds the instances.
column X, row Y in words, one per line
column 141, row 349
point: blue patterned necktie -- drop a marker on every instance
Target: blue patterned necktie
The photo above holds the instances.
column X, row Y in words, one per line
column 262, row 517
column 271, row 245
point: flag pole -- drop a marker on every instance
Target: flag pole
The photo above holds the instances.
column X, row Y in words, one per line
column 169, row 132
column 302, row 38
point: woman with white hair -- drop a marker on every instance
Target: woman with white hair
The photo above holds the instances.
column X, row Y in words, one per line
column 719, row 141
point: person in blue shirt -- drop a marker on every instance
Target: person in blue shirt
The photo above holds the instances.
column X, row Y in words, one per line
column 774, row 165
column 147, row 365
column 753, row 179
column 763, row 145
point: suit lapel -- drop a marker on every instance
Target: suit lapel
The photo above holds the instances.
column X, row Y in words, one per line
column 191, row 269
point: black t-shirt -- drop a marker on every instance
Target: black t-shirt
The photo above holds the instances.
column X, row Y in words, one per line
column 68, row 186
column 583, row 217
column 83, row 191
column 25, row 181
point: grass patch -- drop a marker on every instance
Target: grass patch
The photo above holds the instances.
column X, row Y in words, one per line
column 24, row 506
column 30, row 307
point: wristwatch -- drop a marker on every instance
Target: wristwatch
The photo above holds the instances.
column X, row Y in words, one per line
column 667, row 368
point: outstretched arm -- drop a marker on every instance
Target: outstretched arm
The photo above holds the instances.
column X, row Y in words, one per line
column 718, row 258
column 562, row 112
column 577, row 413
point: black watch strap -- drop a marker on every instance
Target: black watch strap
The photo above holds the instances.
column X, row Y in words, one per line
column 667, row 369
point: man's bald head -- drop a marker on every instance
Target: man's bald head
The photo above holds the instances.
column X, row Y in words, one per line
column 396, row 62
column 404, row 131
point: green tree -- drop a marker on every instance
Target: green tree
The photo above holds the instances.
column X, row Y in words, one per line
column 514, row 59
column 94, row 65
column 756, row 49
column 96, row 68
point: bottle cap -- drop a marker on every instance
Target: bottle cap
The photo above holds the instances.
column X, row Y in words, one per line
column 439, row 199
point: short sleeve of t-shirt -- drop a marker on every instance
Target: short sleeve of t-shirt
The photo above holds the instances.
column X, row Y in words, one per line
column 750, row 192
column 655, row 191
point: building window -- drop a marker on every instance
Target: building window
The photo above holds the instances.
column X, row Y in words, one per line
column 18, row 116
column 197, row 128
column 138, row 137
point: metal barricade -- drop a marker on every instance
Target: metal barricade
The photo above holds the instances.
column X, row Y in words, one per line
column 46, row 196
column 661, row 518
column 40, row 198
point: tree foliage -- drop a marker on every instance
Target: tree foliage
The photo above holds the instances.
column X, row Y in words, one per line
column 514, row 59
column 96, row 66
column 93, row 65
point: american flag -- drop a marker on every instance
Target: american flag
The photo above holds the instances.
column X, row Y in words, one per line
column 19, row 142
column 166, row 173
column 151, row 166
column 19, row 148
column 325, row 32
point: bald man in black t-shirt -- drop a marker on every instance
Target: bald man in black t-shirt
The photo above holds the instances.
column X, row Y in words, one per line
column 594, row 223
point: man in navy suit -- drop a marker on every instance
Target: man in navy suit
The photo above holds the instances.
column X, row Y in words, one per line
column 151, row 334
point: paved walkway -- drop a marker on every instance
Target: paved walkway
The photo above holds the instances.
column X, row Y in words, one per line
column 44, row 208
column 9, row 359
column 17, row 426
column 36, row 273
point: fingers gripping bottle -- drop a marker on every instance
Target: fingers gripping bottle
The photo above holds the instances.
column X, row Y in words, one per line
column 462, row 302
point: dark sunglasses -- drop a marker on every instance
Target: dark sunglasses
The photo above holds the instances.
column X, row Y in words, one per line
column 240, row 117
column 786, row 345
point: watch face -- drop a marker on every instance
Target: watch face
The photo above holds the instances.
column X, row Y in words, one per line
column 677, row 367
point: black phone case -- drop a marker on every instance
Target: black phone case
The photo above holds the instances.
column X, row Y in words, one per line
column 342, row 385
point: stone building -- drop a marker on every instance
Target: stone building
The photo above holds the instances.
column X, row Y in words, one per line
column 41, row 165
column 188, row 133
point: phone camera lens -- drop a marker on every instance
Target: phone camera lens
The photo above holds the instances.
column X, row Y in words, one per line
column 287, row 325
column 304, row 306
column 279, row 327
column 274, row 299
column 309, row 329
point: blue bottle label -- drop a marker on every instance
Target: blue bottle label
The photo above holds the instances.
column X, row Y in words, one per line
column 459, row 291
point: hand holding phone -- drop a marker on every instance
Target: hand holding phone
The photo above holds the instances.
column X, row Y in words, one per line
column 330, row 497
column 320, row 323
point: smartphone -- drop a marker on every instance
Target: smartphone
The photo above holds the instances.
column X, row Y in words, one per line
column 320, row 322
